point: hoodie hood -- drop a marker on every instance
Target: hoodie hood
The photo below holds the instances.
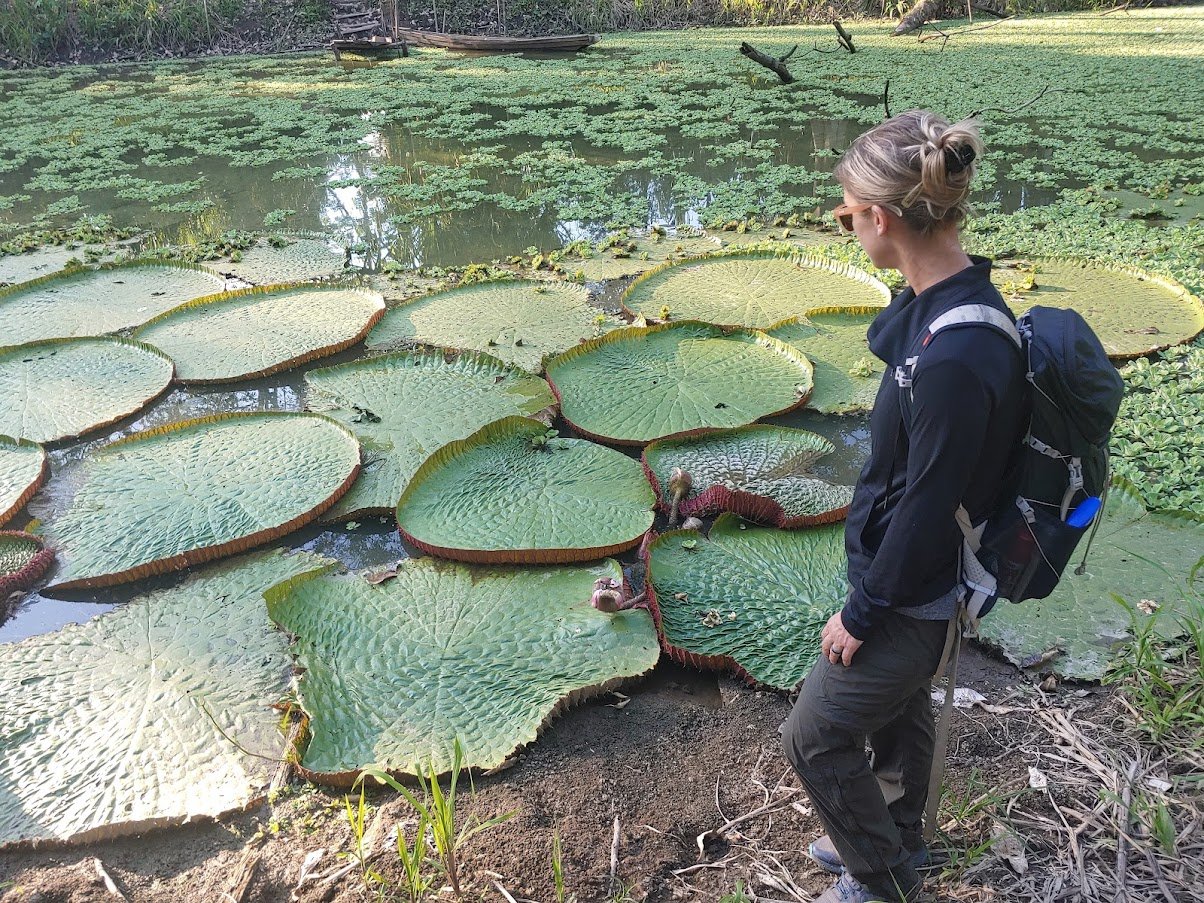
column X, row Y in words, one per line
column 894, row 331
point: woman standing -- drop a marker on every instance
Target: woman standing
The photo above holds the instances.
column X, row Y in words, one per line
column 941, row 438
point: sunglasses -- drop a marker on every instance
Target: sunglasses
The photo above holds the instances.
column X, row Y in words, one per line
column 844, row 214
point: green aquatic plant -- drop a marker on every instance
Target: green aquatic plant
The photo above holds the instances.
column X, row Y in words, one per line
column 752, row 289
column 60, row 389
column 24, row 560
column 87, row 302
column 255, row 332
column 847, row 375
column 508, row 648
column 764, row 473
column 517, row 321
column 1158, row 439
column 419, row 401
column 513, row 494
column 179, row 682
column 252, row 477
column 635, row 385
column 24, row 467
column 739, row 599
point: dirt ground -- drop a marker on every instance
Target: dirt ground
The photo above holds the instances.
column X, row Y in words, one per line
column 678, row 753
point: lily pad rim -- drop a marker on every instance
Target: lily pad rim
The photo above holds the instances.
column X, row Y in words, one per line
column 506, row 427
column 193, row 557
column 32, row 489
column 111, row 338
column 746, row 505
column 800, row 259
column 235, row 294
column 759, row 336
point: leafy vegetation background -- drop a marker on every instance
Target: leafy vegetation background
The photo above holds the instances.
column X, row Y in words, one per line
column 36, row 32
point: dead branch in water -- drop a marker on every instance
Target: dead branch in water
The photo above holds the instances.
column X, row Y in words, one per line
column 773, row 63
column 844, row 38
column 924, row 10
column 946, row 35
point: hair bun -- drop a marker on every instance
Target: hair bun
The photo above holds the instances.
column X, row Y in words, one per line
column 958, row 158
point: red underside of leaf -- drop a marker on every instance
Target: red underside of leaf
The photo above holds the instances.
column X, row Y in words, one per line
column 32, row 571
column 760, row 509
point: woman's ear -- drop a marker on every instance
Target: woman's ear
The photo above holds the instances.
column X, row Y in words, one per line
column 881, row 220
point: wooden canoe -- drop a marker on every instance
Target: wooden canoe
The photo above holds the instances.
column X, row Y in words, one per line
column 495, row 43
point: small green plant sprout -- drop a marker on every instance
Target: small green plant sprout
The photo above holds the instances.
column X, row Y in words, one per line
column 736, row 896
column 357, row 814
column 416, row 881
column 562, row 894
column 863, row 368
column 540, row 442
column 438, row 808
column 476, row 272
column 1161, row 680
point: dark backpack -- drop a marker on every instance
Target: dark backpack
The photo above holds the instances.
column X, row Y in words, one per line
column 1020, row 550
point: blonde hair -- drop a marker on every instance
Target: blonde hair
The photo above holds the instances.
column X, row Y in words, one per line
column 917, row 165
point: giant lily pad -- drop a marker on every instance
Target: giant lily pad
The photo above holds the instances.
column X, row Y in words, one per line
column 62, row 388
column 258, row 331
column 621, row 256
column 635, row 385
column 189, row 492
column 24, row 560
column 297, row 261
column 755, row 289
column 751, row 599
column 764, row 473
column 23, row 469
column 150, row 715
column 405, row 406
column 22, row 267
column 512, row 494
column 1137, row 554
column 847, row 374
column 1133, row 312
column 518, row 322
column 395, row 674
column 93, row 302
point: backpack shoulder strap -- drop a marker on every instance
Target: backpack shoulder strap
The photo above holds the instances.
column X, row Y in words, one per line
column 962, row 315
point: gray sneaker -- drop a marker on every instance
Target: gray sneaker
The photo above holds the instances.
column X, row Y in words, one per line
column 823, row 851
column 847, row 889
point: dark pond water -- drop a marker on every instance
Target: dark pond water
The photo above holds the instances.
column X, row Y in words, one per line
column 366, row 198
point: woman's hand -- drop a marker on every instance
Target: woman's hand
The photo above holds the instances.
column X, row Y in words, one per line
column 837, row 643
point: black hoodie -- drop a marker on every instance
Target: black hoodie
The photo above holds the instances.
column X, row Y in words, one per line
column 966, row 412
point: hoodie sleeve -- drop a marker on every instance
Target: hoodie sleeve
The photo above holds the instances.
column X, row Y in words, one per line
column 950, row 413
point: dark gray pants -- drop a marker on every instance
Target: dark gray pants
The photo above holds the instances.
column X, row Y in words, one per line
column 885, row 695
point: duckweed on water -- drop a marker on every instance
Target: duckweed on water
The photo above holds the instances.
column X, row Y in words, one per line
column 660, row 127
